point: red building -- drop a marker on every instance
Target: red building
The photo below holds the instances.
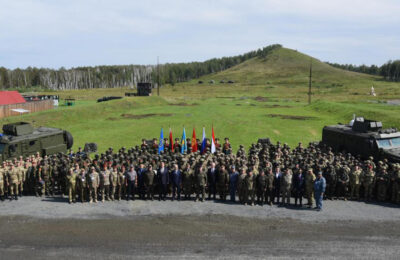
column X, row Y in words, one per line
column 11, row 97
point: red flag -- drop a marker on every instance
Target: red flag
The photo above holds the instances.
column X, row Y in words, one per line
column 171, row 141
column 213, row 141
column 194, row 141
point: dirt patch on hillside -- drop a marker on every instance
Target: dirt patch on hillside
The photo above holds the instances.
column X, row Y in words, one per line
column 131, row 116
column 262, row 99
column 277, row 106
column 112, row 119
column 290, row 117
column 183, row 104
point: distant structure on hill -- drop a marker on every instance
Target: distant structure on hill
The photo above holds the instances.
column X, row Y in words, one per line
column 144, row 89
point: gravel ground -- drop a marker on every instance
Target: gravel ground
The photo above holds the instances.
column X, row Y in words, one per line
column 59, row 208
column 42, row 228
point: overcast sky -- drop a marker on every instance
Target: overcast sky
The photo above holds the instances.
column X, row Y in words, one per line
column 70, row 33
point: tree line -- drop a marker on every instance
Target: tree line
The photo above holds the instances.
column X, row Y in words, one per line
column 389, row 71
column 119, row 76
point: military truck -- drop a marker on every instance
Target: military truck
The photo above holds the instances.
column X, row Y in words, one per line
column 21, row 139
column 365, row 138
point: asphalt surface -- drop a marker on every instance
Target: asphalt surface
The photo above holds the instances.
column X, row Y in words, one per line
column 42, row 228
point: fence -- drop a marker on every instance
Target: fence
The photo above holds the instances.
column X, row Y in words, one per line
column 33, row 106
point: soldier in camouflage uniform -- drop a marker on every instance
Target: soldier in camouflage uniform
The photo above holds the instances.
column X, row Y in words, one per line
column 114, row 181
column 222, row 182
column 343, row 180
column 286, row 186
column 249, row 183
column 309, row 187
column 355, row 182
column 396, row 184
column 200, row 183
column 82, row 185
column 93, row 180
column 331, row 181
column 105, row 183
column 148, row 179
column 13, row 182
column 2, row 182
column 368, row 181
column 121, row 187
column 187, row 181
column 71, row 185
column 242, row 186
column 382, row 182
column 261, row 188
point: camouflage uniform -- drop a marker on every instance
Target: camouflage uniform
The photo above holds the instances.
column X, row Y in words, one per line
column 93, row 181
column 396, row 184
column 355, row 183
column 114, row 181
column 382, row 181
column 13, row 182
column 105, row 184
column 222, row 183
column 368, row 181
column 286, row 185
column 309, row 187
column 82, row 185
column 241, row 187
column 201, row 182
column 249, row 183
column 2, row 183
column 71, row 186
column 187, row 182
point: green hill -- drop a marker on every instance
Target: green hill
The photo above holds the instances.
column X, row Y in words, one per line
column 287, row 66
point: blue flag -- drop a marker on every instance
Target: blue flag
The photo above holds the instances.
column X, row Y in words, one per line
column 203, row 141
column 183, row 142
column 161, row 144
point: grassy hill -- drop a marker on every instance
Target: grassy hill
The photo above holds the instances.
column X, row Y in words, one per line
column 268, row 99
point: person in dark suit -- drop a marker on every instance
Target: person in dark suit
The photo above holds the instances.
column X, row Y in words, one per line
column 163, row 181
column 140, row 177
column 298, row 185
column 212, row 180
column 277, row 183
column 176, row 180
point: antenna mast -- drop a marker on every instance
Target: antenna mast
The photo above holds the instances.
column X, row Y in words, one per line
column 158, row 77
column 309, row 84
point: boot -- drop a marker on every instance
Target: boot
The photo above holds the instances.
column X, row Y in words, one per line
column 16, row 197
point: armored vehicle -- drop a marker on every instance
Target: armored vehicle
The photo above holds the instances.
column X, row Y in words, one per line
column 21, row 139
column 365, row 138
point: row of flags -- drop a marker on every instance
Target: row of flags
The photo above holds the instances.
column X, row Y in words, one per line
column 195, row 145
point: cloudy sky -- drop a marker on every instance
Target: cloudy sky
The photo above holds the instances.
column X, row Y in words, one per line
column 55, row 33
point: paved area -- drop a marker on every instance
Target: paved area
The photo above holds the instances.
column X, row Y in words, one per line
column 38, row 228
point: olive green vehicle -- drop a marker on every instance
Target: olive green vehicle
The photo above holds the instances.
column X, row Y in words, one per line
column 365, row 138
column 21, row 139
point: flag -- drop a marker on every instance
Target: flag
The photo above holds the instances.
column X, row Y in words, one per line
column 183, row 142
column 194, row 141
column 212, row 141
column 171, row 141
column 161, row 144
column 203, row 141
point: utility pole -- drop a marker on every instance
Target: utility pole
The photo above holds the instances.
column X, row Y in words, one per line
column 309, row 84
column 158, row 77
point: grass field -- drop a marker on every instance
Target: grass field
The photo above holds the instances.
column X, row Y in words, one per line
column 268, row 99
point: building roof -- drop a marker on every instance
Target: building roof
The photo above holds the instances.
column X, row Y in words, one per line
column 11, row 97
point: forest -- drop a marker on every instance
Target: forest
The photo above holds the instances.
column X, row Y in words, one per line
column 390, row 71
column 119, row 76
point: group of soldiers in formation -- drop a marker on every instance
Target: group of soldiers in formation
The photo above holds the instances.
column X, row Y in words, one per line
column 266, row 174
